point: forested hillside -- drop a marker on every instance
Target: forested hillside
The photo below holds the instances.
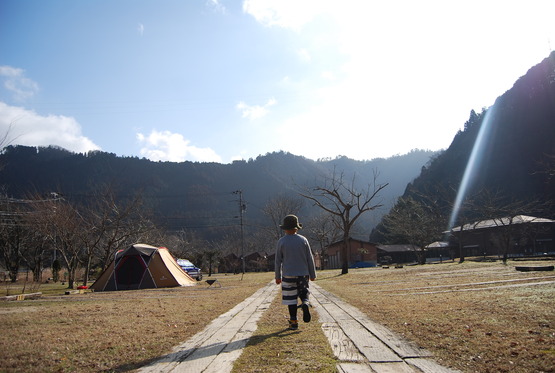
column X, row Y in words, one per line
column 191, row 195
column 504, row 160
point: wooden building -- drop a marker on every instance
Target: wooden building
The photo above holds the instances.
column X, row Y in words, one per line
column 360, row 254
column 397, row 254
column 520, row 235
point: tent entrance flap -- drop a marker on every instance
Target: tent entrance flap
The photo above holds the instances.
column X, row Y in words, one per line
column 129, row 272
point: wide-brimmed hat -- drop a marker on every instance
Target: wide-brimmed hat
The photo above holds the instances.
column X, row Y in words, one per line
column 291, row 222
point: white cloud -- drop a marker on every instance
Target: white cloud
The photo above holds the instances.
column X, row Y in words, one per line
column 216, row 5
column 255, row 111
column 291, row 14
column 25, row 127
column 173, row 147
column 141, row 29
column 17, row 84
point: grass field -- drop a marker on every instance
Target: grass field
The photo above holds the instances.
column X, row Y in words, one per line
column 476, row 317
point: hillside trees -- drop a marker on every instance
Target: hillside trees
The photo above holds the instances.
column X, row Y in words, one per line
column 546, row 168
column 415, row 222
column 187, row 194
column 346, row 203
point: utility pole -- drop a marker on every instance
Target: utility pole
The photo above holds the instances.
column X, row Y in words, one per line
column 242, row 209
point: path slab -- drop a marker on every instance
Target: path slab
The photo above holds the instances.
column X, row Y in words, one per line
column 362, row 345
column 216, row 347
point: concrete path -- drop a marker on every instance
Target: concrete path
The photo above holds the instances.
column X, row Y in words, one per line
column 359, row 344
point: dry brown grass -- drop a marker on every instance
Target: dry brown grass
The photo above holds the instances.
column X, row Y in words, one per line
column 112, row 331
column 274, row 349
column 476, row 317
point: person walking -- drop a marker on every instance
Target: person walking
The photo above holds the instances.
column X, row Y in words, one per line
column 294, row 267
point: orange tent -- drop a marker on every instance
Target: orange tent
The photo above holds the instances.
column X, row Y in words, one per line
column 142, row 266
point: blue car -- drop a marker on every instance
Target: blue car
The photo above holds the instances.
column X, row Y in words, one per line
column 190, row 268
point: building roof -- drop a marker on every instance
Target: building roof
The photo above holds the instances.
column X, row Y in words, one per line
column 352, row 240
column 256, row 255
column 437, row 245
column 397, row 248
column 499, row 222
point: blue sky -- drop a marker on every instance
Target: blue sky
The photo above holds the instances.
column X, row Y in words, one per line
column 219, row 80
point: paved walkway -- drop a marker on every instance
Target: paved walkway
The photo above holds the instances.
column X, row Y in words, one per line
column 359, row 344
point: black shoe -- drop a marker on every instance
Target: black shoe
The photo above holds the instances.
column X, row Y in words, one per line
column 306, row 312
column 293, row 325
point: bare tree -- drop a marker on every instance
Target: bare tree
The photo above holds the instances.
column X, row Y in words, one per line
column 325, row 231
column 226, row 249
column 35, row 249
column 212, row 256
column 11, row 236
column 178, row 242
column 21, row 241
column 62, row 224
column 110, row 225
column 346, row 204
column 278, row 207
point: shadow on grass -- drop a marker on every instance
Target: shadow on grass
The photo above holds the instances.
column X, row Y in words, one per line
column 202, row 352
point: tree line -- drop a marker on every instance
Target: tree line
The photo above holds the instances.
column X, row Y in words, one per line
column 55, row 232
column 52, row 231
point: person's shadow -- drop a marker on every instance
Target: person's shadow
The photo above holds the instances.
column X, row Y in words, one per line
column 205, row 351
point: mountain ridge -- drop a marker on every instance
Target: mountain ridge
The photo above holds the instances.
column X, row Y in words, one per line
column 189, row 188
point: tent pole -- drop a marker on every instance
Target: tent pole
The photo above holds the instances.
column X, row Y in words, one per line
column 114, row 270
column 148, row 269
